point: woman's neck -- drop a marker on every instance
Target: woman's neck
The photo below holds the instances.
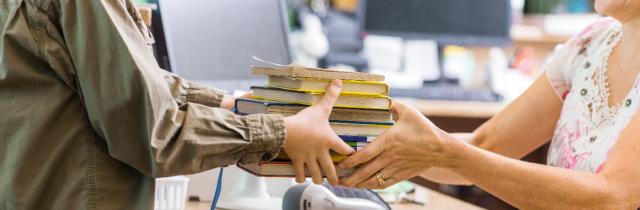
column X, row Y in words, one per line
column 629, row 47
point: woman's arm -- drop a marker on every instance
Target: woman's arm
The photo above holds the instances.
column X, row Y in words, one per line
column 536, row 111
column 415, row 144
column 446, row 176
column 533, row 186
column 524, row 125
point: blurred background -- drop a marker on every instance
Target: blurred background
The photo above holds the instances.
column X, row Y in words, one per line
column 436, row 49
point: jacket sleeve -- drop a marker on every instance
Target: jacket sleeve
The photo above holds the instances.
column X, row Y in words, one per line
column 153, row 121
column 198, row 94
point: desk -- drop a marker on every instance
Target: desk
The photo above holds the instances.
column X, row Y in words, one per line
column 456, row 116
column 435, row 200
column 455, row 109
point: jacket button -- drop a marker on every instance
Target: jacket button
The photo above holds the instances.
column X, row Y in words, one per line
column 583, row 92
column 593, row 139
column 628, row 102
column 587, row 65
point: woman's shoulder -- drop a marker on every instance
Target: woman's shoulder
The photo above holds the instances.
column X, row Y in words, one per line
column 562, row 66
column 595, row 31
column 589, row 40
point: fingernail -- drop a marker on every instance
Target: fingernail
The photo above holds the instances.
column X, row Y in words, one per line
column 341, row 166
column 337, row 83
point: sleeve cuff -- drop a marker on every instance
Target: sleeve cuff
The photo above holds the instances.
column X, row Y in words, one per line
column 208, row 96
column 267, row 133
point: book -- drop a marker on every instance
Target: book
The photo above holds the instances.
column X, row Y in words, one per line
column 369, row 129
column 295, row 70
column 348, row 138
column 254, row 106
column 284, row 169
column 360, row 113
column 345, row 100
column 357, row 145
column 320, row 85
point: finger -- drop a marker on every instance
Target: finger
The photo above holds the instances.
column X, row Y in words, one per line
column 365, row 172
column 370, row 183
column 407, row 173
column 387, row 183
column 298, row 166
column 398, row 107
column 331, row 94
column 401, row 110
column 314, row 170
column 373, row 180
column 329, row 169
column 366, row 154
column 247, row 94
column 340, row 146
column 400, row 175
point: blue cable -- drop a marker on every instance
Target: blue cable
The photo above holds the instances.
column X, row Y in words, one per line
column 216, row 195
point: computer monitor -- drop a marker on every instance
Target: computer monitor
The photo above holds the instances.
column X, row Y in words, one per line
column 448, row 22
column 213, row 41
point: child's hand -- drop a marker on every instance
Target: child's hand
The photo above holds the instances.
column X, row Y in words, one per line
column 229, row 101
column 309, row 139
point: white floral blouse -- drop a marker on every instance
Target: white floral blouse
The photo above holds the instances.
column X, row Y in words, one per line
column 588, row 127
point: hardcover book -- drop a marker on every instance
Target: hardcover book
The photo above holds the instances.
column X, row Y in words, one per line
column 295, row 70
column 345, row 100
column 320, row 85
column 255, row 106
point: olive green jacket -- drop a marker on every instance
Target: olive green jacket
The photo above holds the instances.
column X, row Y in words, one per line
column 88, row 119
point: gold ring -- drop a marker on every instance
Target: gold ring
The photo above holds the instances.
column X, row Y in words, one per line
column 381, row 179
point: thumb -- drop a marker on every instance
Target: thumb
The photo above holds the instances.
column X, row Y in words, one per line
column 331, row 94
column 340, row 147
column 398, row 108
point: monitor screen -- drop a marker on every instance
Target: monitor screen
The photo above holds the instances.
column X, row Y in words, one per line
column 214, row 41
column 465, row 22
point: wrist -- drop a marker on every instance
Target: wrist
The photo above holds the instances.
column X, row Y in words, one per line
column 228, row 102
column 452, row 150
column 288, row 127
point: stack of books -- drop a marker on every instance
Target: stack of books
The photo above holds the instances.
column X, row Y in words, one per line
column 360, row 113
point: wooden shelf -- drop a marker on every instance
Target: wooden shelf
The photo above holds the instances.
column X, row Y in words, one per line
column 530, row 30
column 535, row 34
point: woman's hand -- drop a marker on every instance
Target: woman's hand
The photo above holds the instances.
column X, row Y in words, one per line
column 407, row 149
column 310, row 138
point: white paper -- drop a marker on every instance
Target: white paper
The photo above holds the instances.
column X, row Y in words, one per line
column 421, row 59
column 384, row 52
